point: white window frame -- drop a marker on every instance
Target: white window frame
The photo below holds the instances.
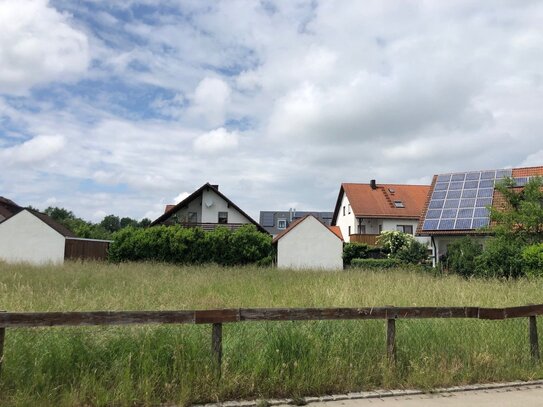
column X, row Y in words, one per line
column 281, row 224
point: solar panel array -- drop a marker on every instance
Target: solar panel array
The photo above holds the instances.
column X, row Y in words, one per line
column 459, row 201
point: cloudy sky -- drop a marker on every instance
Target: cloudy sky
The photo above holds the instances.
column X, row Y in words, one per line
column 124, row 106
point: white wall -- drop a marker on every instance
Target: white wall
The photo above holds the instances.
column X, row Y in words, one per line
column 310, row 245
column 25, row 238
column 211, row 214
column 344, row 221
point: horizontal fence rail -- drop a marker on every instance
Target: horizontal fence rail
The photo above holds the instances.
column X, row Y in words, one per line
column 216, row 317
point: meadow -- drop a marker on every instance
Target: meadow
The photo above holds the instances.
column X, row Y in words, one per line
column 149, row 365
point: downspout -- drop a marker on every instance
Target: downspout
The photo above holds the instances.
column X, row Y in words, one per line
column 434, row 260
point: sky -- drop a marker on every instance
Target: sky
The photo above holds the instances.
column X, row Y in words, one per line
column 125, row 106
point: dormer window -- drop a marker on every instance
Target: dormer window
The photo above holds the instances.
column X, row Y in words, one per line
column 281, row 224
column 399, row 204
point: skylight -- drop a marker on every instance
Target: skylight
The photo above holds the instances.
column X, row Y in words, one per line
column 399, row 204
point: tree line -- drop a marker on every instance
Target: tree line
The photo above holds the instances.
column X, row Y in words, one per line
column 101, row 230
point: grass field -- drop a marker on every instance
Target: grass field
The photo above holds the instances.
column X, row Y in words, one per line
column 147, row 365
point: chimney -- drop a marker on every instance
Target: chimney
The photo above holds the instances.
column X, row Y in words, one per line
column 373, row 184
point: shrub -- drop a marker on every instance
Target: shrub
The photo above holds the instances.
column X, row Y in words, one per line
column 414, row 252
column 354, row 251
column 175, row 244
column 502, row 257
column 393, row 241
column 461, row 256
column 376, row 263
column 532, row 260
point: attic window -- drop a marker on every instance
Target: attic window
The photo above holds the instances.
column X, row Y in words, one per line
column 391, row 190
column 399, row 204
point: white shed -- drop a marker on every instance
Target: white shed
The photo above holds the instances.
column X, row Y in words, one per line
column 35, row 238
column 309, row 244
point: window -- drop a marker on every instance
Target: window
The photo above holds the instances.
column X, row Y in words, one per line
column 192, row 217
column 405, row 229
column 343, row 211
column 399, row 204
column 223, row 217
column 380, row 228
column 349, row 209
column 349, row 227
column 281, row 224
column 361, row 229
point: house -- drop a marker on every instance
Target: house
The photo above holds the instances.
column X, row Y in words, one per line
column 309, row 244
column 363, row 211
column 28, row 236
column 276, row 221
column 458, row 203
column 207, row 208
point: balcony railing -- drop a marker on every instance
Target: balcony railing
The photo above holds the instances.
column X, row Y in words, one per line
column 207, row 227
column 369, row 239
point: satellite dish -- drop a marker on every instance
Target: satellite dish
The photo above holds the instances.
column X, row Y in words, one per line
column 209, row 202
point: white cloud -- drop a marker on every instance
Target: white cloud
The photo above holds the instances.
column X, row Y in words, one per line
column 210, row 101
column 276, row 102
column 180, row 197
column 34, row 150
column 38, row 45
column 216, row 141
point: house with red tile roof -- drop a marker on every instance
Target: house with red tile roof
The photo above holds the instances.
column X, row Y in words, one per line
column 309, row 244
column 458, row 205
column 363, row 211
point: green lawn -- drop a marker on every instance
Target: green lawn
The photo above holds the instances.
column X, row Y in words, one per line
column 153, row 364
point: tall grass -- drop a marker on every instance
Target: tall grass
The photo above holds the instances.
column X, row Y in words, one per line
column 172, row 364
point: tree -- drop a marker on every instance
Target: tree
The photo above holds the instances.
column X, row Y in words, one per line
column 145, row 222
column 125, row 222
column 111, row 223
column 520, row 217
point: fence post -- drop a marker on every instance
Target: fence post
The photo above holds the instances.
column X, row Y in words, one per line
column 391, row 339
column 2, row 337
column 534, row 340
column 216, row 345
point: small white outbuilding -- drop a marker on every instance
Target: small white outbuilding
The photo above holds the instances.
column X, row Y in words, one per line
column 310, row 244
column 32, row 237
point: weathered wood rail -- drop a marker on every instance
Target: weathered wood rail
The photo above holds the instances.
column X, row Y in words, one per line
column 217, row 317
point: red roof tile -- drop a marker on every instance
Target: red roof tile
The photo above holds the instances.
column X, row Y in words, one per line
column 379, row 203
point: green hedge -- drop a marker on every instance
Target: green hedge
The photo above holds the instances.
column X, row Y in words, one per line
column 176, row 244
column 361, row 251
column 375, row 263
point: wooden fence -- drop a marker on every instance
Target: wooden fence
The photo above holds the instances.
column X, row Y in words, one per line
column 218, row 317
column 86, row 249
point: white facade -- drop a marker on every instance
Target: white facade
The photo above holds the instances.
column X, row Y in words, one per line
column 26, row 239
column 310, row 245
column 349, row 224
column 207, row 207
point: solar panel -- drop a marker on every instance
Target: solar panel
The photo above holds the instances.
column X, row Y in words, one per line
column 446, row 224
column 439, row 194
column 430, row 224
column 463, row 224
column 433, row 214
column 460, row 200
column 454, row 194
column 471, row 184
column 267, row 219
